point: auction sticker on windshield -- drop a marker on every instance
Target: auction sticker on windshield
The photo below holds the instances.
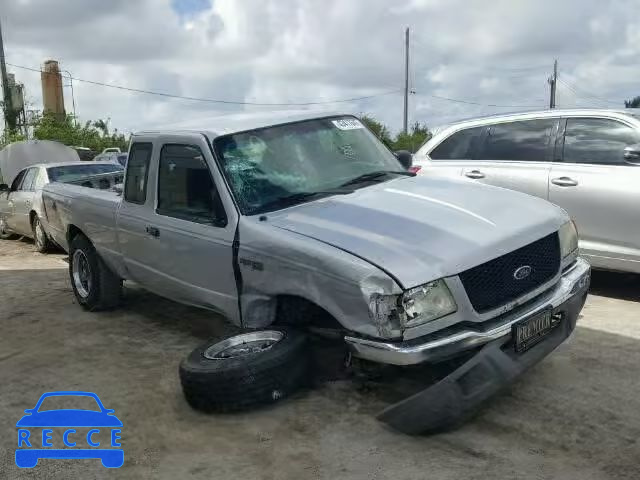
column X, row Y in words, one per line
column 88, row 430
column 347, row 124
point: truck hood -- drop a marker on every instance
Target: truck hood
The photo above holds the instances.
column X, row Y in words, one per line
column 419, row 229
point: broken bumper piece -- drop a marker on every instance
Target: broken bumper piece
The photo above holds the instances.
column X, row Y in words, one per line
column 452, row 400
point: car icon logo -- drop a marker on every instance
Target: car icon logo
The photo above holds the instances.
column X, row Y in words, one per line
column 35, row 444
column 522, row 272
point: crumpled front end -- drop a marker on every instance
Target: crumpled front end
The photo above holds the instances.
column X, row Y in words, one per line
column 497, row 363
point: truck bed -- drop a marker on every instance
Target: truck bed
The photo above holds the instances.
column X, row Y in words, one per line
column 90, row 209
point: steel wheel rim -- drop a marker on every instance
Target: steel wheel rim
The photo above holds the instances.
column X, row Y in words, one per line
column 245, row 344
column 81, row 273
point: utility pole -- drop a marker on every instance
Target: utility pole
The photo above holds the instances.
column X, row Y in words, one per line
column 553, row 82
column 405, row 125
column 9, row 114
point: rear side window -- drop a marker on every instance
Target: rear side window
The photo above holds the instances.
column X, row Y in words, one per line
column 17, row 182
column 597, row 141
column 30, row 176
column 518, row 141
column 459, row 146
column 185, row 187
column 135, row 189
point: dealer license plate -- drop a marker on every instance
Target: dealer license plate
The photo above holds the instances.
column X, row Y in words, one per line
column 532, row 330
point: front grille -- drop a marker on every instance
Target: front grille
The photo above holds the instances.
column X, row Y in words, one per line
column 493, row 283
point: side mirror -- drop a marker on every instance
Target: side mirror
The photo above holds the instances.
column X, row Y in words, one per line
column 4, row 187
column 632, row 154
column 405, row 158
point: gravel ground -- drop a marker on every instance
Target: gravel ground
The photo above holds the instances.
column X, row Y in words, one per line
column 574, row 416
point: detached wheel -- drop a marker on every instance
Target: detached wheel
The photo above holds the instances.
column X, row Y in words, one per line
column 247, row 370
column 5, row 234
column 40, row 237
column 95, row 286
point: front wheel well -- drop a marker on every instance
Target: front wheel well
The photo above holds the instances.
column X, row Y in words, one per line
column 294, row 310
column 32, row 216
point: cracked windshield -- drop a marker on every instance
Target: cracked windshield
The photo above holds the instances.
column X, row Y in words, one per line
column 307, row 157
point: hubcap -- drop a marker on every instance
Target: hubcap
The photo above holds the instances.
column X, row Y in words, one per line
column 3, row 226
column 40, row 236
column 244, row 344
column 81, row 273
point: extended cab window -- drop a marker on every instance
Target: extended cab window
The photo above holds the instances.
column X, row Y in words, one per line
column 597, row 140
column 458, row 146
column 135, row 189
column 527, row 140
column 185, row 187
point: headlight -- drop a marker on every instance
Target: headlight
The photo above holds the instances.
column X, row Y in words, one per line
column 568, row 239
column 427, row 302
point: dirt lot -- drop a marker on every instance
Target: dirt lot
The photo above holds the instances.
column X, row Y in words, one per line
column 574, row 416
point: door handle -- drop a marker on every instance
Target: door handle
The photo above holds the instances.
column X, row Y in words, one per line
column 153, row 231
column 474, row 174
column 564, row 182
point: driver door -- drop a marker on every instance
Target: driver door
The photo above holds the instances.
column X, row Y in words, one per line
column 177, row 240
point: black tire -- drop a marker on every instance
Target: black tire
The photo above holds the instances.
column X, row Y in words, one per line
column 105, row 288
column 4, row 233
column 40, row 237
column 250, row 380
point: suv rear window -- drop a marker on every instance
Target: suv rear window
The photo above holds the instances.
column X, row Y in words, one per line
column 458, row 146
column 518, row 141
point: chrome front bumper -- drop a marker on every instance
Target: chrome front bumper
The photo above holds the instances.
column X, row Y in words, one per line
column 431, row 348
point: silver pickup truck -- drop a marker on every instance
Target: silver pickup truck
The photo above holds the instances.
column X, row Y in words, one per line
column 310, row 217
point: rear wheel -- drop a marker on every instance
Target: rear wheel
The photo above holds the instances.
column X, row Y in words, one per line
column 5, row 234
column 95, row 286
column 40, row 237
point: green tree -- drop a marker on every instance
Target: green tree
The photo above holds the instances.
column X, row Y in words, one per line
column 93, row 134
column 8, row 138
column 413, row 140
column 633, row 103
column 378, row 128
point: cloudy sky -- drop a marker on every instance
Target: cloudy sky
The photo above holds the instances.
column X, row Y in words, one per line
column 494, row 54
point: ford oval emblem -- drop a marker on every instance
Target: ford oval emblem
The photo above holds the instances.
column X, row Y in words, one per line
column 522, row 272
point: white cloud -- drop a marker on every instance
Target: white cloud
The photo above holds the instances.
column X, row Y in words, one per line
column 308, row 50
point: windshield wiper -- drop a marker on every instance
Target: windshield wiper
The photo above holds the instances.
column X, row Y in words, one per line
column 298, row 197
column 377, row 175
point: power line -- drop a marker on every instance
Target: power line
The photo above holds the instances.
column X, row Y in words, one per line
column 469, row 102
column 212, row 100
column 586, row 94
column 588, row 101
